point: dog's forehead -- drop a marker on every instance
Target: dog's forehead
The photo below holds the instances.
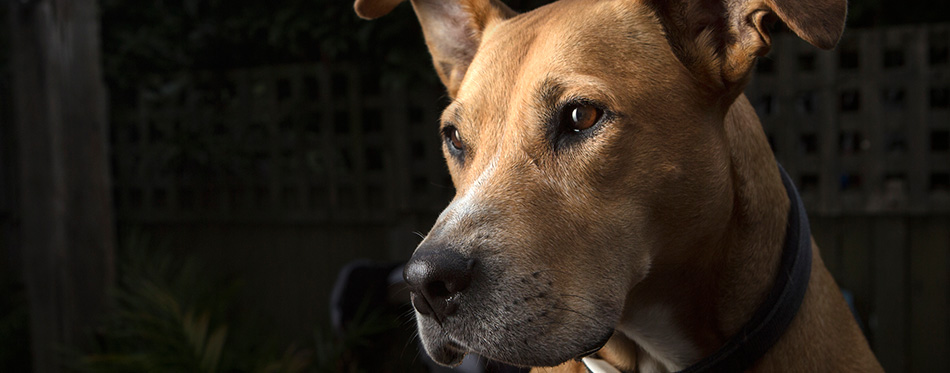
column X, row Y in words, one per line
column 562, row 41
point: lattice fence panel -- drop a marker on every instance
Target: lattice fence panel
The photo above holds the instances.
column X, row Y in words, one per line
column 276, row 144
column 864, row 128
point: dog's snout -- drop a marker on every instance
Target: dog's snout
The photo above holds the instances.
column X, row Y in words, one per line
column 435, row 278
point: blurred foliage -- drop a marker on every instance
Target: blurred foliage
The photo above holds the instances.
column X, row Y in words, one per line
column 173, row 314
column 141, row 39
column 367, row 345
column 875, row 13
column 168, row 315
column 6, row 106
column 14, row 309
column 14, row 326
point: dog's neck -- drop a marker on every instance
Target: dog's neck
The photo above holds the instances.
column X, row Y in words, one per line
column 683, row 312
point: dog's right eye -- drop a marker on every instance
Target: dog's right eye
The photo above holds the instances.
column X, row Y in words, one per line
column 574, row 121
column 452, row 137
column 580, row 117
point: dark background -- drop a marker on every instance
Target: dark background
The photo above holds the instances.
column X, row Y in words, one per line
column 255, row 148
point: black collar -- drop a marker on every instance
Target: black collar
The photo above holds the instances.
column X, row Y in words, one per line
column 780, row 307
column 774, row 315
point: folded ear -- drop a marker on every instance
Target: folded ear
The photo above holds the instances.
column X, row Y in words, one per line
column 452, row 29
column 721, row 39
column 819, row 22
column 372, row 9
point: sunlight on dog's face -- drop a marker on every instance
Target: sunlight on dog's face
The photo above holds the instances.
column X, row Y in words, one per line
column 569, row 145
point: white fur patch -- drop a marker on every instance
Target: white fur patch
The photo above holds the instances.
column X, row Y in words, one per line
column 654, row 329
column 468, row 203
column 598, row 366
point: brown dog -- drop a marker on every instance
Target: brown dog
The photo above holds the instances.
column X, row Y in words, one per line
column 614, row 186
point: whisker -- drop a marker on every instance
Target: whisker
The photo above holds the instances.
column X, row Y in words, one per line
column 412, row 338
column 408, row 317
column 581, row 297
column 596, row 321
column 552, row 270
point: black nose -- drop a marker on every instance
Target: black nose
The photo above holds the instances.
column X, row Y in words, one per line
column 435, row 277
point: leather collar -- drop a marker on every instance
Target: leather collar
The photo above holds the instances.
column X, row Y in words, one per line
column 773, row 316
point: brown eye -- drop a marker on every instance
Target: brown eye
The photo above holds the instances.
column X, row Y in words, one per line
column 582, row 116
column 452, row 135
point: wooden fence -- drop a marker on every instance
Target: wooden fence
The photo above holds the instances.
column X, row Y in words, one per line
column 8, row 207
column 864, row 128
column 896, row 266
column 320, row 155
column 282, row 175
column 279, row 143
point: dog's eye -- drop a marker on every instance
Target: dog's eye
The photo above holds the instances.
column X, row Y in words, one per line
column 451, row 135
column 581, row 116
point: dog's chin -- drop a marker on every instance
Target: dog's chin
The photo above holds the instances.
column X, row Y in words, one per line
column 551, row 352
column 556, row 355
column 446, row 353
column 595, row 347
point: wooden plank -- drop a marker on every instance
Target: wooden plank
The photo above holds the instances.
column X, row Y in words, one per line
column 396, row 117
column 67, row 232
column 821, row 122
column 929, row 279
column 855, row 266
column 328, row 139
column 872, row 158
column 827, row 133
column 888, row 319
column 783, row 124
column 826, row 230
column 917, row 116
column 357, row 143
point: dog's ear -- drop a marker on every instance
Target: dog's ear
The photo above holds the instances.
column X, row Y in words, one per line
column 721, row 39
column 452, row 29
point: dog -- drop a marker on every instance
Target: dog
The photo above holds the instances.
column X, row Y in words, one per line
column 617, row 205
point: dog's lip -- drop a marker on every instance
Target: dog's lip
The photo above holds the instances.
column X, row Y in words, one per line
column 448, row 353
column 594, row 349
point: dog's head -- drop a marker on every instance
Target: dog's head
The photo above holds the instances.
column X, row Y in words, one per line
column 585, row 141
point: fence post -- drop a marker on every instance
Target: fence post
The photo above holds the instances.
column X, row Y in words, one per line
column 916, row 127
column 66, row 201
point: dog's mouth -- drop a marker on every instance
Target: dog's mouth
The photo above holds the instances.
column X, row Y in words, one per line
column 452, row 354
column 546, row 348
column 519, row 318
column 593, row 350
column 448, row 353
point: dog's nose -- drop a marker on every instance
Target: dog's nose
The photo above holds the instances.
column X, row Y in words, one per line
column 435, row 277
